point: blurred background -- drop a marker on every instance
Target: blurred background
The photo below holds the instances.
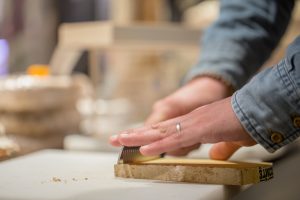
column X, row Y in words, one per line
column 74, row 72
column 120, row 83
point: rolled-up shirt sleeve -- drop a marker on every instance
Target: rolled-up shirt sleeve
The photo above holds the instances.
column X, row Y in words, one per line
column 269, row 105
column 242, row 38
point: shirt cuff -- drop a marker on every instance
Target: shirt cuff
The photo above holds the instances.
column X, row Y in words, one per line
column 268, row 107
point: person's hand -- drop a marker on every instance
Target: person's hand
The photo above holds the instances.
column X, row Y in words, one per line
column 200, row 91
column 213, row 123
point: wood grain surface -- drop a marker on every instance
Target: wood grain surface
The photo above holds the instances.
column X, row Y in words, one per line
column 197, row 171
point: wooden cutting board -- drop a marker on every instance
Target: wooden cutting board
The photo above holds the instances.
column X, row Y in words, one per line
column 197, row 171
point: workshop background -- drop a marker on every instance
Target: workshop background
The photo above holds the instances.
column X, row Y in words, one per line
column 125, row 81
column 104, row 85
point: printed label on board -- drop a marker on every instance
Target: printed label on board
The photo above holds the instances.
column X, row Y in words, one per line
column 265, row 173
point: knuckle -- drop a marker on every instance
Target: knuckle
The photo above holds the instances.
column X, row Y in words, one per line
column 155, row 126
column 162, row 131
column 161, row 135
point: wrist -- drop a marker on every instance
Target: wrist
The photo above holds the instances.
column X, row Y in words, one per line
column 198, row 92
column 212, row 84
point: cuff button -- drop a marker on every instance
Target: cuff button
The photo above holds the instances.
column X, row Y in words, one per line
column 276, row 137
column 296, row 122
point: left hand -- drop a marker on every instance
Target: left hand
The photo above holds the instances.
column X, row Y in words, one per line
column 213, row 123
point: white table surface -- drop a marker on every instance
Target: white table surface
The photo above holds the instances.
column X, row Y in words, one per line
column 87, row 176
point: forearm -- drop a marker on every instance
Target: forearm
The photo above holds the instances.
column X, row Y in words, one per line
column 243, row 37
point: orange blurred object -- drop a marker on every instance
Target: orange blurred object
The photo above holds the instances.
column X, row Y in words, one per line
column 38, row 70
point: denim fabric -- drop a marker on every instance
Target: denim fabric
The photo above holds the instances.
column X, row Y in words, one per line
column 243, row 37
column 235, row 47
column 270, row 101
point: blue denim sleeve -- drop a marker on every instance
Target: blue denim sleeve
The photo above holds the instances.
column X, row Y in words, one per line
column 242, row 38
column 269, row 105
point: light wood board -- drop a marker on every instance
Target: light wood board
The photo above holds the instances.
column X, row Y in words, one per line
column 197, row 171
column 98, row 35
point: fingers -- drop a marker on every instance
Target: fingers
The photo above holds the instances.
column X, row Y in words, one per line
column 160, row 147
column 113, row 140
column 223, row 150
column 145, row 135
column 140, row 138
column 183, row 151
column 132, row 138
column 205, row 124
column 176, row 140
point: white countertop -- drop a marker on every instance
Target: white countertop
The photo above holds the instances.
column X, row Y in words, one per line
column 55, row 174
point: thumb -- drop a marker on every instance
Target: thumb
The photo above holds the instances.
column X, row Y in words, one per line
column 223, row 150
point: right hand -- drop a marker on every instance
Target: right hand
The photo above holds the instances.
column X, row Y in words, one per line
column 198, row 92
